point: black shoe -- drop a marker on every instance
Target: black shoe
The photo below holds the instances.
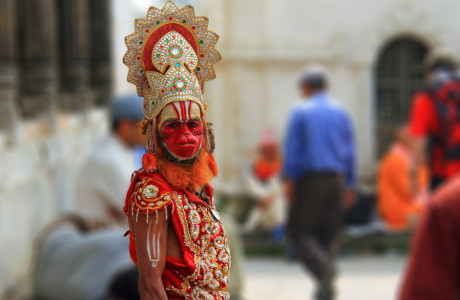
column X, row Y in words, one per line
column 326, row 289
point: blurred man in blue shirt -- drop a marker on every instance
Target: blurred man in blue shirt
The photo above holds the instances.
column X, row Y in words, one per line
column 320, row 177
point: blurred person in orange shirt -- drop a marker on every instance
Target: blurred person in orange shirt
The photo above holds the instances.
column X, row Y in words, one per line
column 397, row 204
column 264, row 185
column 103, row 178
column 433, row 270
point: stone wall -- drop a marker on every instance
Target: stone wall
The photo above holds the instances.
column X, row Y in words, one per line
column 55, row 79
column 37, row 174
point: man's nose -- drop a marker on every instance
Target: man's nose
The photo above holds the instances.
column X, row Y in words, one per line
column 185, row 130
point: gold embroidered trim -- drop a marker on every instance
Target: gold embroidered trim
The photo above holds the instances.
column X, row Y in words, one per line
column 146, row 199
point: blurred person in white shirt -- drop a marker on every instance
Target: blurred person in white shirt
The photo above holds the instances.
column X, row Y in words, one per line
column 264, row 185
column 104, row 177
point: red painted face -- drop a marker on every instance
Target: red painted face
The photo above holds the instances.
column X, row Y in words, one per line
column 180, row 128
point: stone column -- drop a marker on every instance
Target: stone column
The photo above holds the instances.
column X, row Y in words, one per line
column 8, row 65
column 74, row 36
column 101, row 79
column 37, row 50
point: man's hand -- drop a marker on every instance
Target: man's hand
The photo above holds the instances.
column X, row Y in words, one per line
column 413, row 179
column 350, row 198
column 288, row 186
column 266, row 201
column 418, row 150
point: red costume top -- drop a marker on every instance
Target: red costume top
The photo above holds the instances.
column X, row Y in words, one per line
column 170, row 56
column 433, row 269
column 203, row 271
column 424, row 122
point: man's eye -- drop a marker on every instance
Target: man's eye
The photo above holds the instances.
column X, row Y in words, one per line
column 172, row 124
column 193, row 124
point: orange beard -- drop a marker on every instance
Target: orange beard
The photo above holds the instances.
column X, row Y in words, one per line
column 193, row 176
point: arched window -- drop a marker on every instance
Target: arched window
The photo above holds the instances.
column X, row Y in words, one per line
column 398, row 75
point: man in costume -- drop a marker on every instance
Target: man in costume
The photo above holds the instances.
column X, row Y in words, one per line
column 177, row 238
column 319, row 171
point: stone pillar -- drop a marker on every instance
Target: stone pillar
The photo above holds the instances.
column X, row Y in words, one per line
column 8, row 65
column 37, row 50
column 101, row 79
column 74, row 59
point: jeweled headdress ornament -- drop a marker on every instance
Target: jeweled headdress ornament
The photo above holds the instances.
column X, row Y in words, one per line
column 170, row 56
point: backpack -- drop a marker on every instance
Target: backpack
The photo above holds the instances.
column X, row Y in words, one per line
column 447, row 103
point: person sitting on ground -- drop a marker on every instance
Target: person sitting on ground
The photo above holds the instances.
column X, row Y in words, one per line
column 76, row 260
column 264, row 185
column 397, row 204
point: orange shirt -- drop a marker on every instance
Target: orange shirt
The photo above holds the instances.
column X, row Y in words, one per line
column 397, row 206
column 265, row 169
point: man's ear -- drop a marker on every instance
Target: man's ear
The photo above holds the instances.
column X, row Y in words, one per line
column 151, row 137
column 209, row 136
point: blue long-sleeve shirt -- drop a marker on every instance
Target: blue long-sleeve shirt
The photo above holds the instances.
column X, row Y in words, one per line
column 320, row 139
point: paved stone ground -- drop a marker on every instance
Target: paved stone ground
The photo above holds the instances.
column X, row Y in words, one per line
column 360, row 278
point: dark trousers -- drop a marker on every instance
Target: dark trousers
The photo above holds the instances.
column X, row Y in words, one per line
column 315, row 220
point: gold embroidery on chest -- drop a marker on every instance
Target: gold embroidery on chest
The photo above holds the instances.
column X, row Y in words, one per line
column 194, row 217
column 195, row 231
column 204, row 236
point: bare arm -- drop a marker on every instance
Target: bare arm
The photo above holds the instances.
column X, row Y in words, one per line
column 151, row 243
column 418, row 148
column 288, row 187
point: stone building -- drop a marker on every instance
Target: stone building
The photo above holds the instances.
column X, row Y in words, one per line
column 55, row 75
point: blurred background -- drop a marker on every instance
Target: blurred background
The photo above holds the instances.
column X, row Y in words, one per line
column 61, row 66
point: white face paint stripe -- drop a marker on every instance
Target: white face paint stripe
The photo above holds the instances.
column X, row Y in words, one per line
column 183, row 109
column 188, row 104
column 178, row 109
column 153, row 240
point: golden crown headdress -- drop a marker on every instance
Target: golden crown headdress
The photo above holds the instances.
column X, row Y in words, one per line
column 170, row 56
